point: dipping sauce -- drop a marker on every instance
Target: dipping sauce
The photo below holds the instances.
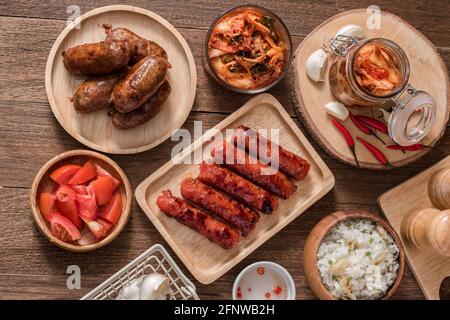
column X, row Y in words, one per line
column 263, row 282
column 377, row 70
column 246, row 49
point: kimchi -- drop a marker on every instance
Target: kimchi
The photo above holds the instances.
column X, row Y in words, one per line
column 246, row 51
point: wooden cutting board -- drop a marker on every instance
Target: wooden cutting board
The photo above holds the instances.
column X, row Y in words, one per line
column 429, row 268
column 206, row 260
column 428, row 73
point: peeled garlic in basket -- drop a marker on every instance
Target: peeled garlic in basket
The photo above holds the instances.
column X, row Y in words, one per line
column 316, row 64
column 153, row 286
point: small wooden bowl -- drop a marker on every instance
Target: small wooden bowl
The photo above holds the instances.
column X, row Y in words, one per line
column 318, row 234
column 42, row 182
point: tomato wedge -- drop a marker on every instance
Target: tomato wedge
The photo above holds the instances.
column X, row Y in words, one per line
column 64, row 173
column 87, row 206
column 69, row 209
column 103, row 189
column 63, row 228
column 99, row 227
column 46, row 204
column 103, row 173
column 86, row 173
column 64, row 193
column 113, row 210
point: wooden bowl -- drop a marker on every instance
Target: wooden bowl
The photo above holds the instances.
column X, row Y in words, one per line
column 42, row 182
column 318, row 234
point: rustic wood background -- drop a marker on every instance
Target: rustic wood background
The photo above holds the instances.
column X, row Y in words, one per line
column 32, row 268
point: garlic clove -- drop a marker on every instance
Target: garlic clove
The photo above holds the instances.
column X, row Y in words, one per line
column 352, row 30
column 154, row 287
column 130, row 291
column 337, row 109
column 316, row 64
column 386, row 115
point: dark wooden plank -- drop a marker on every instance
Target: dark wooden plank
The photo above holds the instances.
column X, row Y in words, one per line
column 301, row 17
column 30, row 267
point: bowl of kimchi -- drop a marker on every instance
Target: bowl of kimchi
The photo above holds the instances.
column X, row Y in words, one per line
column 248, row 49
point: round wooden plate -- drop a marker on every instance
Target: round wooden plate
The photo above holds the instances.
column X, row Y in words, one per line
column 428, row 73
column 95, row 130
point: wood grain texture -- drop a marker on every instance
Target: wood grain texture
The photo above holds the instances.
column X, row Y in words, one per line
column 30, row 267
column 429, row 267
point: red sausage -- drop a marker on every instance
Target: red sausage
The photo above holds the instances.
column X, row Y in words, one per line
column 215, row 230
column 251, row 168
column 216, row 202
column 238, row 187
column 290, row 163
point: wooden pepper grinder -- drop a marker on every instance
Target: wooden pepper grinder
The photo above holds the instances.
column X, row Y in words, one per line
column 439, row 189
column 428, row 229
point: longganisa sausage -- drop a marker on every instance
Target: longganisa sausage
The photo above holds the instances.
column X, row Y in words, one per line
column 141, row 82
column 140, row 47
column 290, row 163
column 239, row 216
column 215, row 230
column 254, row 170
column 95, row 94
column 238, row 187
column 143, row 114
column 100, row 58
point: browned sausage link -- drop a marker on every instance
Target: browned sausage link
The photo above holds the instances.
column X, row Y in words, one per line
column 143, row 114
column 251, row 168
column 215, row 230
column 290, row 163
column 94, row 94
column 238, row 187
column 99, row 58
column 140, row 47
column 216, row 202
column 141, row 82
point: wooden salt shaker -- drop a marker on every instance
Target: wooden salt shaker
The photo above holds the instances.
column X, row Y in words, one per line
column 439, row 189
column 428, row 229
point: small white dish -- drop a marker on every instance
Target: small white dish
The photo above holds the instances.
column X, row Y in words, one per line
column 264, row 280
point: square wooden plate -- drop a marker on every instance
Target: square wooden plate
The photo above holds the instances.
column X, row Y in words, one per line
column 429, row 268
column 204, row 259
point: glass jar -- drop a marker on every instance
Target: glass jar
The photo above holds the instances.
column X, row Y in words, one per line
column 375, row 73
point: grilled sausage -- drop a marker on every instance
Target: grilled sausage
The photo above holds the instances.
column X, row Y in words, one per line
column 95, row 94
column 98, row 58
column 251, row 168
column 141, row 82
column 140, row 47
column 215, row 230
column 143, row 114
column 290, row 163
column 239, row 216
column 238, row 187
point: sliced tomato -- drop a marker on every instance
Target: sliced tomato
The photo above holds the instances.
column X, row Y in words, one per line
column 64, row 173
column 69, row 209
column 99, row 227
column 80, row 189
column 64, row 193
column 46, row 204
column 86, row 173
column 113, row 209
column 63, row 228
column 87, row 207
column 103, row 189
column 103, row 173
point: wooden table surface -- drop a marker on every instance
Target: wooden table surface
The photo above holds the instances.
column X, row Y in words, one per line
column 32, row 268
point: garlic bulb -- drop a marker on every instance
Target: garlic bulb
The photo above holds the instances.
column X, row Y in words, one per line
column 315, row 65
column 337, row 109
column 154, row 287
column 352, row 30
column 386, row 115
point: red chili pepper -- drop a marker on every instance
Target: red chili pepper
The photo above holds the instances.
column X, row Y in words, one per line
column 260, row 270
column 374, row 123
column 268, row 295
column 277, row 290
column 375, row 152
column 414, row 147
column 363, row 128
column 347, row 136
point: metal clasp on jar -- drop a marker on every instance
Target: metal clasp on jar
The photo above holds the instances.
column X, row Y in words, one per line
column 402, row 99
column 341, row 44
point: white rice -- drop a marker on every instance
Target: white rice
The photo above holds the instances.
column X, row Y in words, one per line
column 358, row 259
